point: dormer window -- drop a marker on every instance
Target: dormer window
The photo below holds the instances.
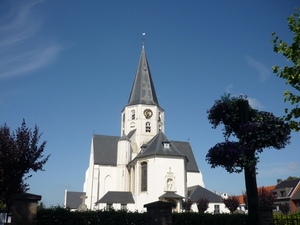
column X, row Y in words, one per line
column 167, row 145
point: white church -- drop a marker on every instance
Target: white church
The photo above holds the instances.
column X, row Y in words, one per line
column 141, row 165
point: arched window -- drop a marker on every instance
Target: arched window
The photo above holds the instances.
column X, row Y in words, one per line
column 148, row 127
column 144, row 176
column 132, row 114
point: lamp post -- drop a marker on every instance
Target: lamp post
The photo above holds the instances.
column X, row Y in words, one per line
column 250, row 173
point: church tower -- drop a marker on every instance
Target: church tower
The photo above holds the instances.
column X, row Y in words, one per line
column 142, row 118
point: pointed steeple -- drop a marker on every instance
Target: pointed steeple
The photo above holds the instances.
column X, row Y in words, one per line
column 143, row 91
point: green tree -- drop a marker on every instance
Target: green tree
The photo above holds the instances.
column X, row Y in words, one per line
column 20, row 154
column 254, row 130
column 290, row 73
column 292, row 178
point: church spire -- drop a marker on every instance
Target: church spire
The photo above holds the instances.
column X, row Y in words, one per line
column 143, row 91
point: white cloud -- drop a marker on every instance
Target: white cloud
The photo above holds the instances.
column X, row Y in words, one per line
column 263, row 70
column 279, row 169
column 23, row 48
column 255, row 104
column 228, row 88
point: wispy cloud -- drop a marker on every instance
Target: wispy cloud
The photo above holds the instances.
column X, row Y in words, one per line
column 263, row 70
column 255, row 104
column 279, row 169
column 23, row 48
column 228, row 88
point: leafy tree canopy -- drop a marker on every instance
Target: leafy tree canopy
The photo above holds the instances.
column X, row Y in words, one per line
column 20, row 154
column 290, row 73
column 292, row 178
column 263, row 130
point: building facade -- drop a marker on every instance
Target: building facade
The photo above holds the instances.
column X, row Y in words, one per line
column 141, row 165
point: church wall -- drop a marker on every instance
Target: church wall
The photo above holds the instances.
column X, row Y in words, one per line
column 194, row 179
column 123, row 157
column 158, row 170
column 101, row 180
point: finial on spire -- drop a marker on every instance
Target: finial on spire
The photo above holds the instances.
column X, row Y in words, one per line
column 143, row 38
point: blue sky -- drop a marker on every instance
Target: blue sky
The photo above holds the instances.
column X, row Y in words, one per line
column 68, row 66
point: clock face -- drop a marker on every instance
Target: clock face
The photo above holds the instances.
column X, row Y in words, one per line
column 148, row 113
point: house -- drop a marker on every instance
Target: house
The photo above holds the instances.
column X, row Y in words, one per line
column 142, row 165
column 243, row 205
column 288, row 191
column 216, row 204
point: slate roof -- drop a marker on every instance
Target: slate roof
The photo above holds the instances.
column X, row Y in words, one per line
column 73, row 199
column 122, row 197
column 287, row 184
column 197, row 192
column 291, row 185
column 156, row 147
column 105, row 151
column 143, row 91
column 186, row 149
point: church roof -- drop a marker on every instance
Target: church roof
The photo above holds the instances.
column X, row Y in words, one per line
column 143, row 91
column 186, row 149
column 73, row 199
column 123, row 197
column 197, row 192
column 157, row 147
column 105, row 151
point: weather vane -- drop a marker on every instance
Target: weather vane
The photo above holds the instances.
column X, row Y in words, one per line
column 143, row 38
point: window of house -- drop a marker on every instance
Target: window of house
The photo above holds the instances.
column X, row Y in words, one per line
column 144, row 176
column 132, row 114
column 216, row 209
column 148, row 127
column 109, row 206
column 123, row 206
column 282, row 194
